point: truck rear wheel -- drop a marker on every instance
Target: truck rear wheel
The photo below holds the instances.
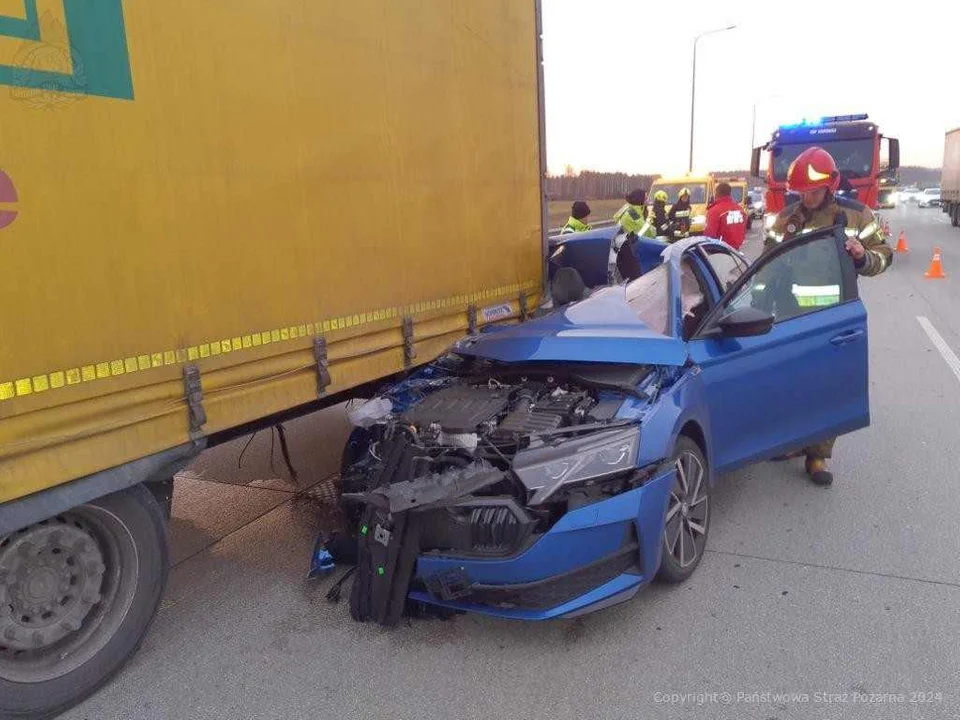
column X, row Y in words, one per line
column 77, row 595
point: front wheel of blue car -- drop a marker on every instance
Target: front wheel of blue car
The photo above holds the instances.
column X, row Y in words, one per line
column 688, row 514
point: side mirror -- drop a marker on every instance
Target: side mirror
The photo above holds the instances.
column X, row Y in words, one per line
column 745, row 322
column 755, row 162
column 893, row 153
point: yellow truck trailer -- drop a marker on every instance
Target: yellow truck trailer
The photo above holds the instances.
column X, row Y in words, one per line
column 213, row 214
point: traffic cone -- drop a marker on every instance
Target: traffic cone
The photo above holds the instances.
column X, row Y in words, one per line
column 936, row 267
column 902, row 243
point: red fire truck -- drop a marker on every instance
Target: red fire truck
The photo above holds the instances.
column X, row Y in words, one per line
column 866, row 158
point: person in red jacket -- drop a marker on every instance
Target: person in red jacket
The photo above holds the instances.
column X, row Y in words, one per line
column 725, row 219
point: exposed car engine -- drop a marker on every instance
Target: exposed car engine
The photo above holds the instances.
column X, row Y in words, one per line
column 479, row 461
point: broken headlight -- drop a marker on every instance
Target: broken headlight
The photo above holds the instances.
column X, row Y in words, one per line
column 546, row 469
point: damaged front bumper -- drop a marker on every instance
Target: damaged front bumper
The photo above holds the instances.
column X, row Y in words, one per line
column 593, row 557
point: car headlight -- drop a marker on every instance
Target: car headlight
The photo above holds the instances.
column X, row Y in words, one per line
column 544, row 470
column 769, row 220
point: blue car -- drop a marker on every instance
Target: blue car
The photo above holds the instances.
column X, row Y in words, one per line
column 555, row 467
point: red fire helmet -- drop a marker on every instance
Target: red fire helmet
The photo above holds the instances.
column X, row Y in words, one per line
column 814, row 168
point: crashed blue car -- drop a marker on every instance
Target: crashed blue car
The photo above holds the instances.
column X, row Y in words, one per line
column 554, row 467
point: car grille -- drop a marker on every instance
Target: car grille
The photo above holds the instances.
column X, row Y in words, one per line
column 554, row 591
column 494, row 529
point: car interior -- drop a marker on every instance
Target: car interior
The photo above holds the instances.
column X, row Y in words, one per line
column 693, row 299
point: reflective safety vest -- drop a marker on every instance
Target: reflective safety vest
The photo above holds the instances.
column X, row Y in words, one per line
column 573, row 226
column 630, row 218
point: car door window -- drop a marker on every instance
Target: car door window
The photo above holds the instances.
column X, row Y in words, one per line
column 727, row 267
column 802, row 280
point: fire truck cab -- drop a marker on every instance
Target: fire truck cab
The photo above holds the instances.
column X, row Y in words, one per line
column 866, row 158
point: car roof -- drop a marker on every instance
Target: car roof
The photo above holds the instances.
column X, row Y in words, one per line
column 608, row 231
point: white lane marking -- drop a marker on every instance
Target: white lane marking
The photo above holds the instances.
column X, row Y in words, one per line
column 949, row 356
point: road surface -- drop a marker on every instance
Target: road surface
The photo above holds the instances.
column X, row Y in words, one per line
column 810, row 602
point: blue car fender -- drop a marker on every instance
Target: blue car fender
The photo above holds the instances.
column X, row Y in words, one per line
column 676, row 407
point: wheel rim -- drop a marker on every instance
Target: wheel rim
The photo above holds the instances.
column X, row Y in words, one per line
column 66, row 585
column 688, row 512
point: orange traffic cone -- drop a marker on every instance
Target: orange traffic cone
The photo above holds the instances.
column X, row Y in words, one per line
column 936, row 267
column 902, row 243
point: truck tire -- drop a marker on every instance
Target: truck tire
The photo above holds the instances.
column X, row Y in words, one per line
column 955, row 215
column 77, row 595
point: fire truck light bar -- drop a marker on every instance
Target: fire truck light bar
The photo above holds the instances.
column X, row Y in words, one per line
column 844, row 118
column 826, row 120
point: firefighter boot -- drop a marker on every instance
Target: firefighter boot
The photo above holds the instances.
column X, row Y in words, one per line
column 817, row 470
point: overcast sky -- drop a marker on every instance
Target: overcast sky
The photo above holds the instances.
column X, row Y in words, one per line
column 618, row 77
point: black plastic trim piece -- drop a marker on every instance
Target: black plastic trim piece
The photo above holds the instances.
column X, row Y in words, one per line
column 558, row 589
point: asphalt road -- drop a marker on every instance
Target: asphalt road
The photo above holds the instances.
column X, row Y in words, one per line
column 810, row 602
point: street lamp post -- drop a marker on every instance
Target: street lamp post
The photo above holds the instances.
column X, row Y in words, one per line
column 693, row 85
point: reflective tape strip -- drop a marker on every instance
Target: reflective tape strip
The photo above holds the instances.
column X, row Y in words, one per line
column 816, row 296
column 57, row 379
column 868, row 230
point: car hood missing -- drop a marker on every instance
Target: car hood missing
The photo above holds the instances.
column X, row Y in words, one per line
column 603, row 328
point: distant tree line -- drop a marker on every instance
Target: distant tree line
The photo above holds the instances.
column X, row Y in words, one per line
column 590, row 185
column 920, row 176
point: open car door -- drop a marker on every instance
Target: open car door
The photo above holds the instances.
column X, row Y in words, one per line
column 783, row 355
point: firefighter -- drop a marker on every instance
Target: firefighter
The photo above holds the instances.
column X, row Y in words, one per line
column 632, row 217
column 814, row 176
column 578, row 214
column 661, row 221
column 680, row 215
column 726, row 219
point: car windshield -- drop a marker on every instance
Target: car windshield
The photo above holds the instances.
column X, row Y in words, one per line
column 698, row 191
column 736, row 193
column 649, row 297
column 932, row 192
column 854, row 158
